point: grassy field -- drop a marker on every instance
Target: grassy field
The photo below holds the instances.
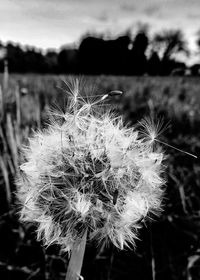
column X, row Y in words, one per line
column 168, row 248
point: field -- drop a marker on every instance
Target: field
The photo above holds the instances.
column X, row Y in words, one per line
column 169, row 248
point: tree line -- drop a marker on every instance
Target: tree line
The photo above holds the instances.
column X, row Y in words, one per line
column 95, row 55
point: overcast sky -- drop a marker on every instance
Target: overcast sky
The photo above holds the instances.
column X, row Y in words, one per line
column 52, row 23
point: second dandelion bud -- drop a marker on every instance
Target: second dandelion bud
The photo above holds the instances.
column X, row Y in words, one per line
column 88, row 171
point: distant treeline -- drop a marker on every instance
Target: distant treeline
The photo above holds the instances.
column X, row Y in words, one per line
column 121, row 56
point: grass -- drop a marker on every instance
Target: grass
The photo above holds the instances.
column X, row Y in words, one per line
column 169, row 248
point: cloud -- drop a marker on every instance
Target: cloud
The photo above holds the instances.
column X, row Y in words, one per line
column 152, row 10
column 193, row 15
column 103, row 17
column 128, row 7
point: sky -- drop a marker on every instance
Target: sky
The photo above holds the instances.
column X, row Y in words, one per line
column 51, row 23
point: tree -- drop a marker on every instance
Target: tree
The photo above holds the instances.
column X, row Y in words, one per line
column 138, row 56
column 51, row 61
column 68, row 60
column 154, row 64
column 170, row 43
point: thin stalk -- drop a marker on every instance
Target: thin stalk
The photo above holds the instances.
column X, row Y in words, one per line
column 180, row 150
column 1, row 104
column 38, row 111
column 12, row 140
column 18, row 106
column 6, row 180
column 5, row 75
column 76, row 260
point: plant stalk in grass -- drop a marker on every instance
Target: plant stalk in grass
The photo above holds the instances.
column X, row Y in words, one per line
column 18, row 105
column 1, row 104
column 12, row 140
column 5, row 75
column 76, row 260
column 6, row 180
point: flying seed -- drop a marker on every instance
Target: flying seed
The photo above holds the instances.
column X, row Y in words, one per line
column 115, row 93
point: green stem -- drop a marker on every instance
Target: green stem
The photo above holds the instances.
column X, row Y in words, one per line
column 76, row 260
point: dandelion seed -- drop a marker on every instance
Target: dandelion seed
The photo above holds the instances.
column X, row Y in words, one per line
column 151, row 130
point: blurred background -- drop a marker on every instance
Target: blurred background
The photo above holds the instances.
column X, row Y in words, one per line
column 150, row 50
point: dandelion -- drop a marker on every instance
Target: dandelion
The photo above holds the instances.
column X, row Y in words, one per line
column 88, row 173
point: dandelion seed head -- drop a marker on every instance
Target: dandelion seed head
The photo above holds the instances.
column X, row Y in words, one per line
column 89, row 171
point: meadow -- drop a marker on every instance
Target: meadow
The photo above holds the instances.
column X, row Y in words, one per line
column 168, row 248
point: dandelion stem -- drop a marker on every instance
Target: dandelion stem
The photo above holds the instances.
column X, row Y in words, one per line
column 76, row 260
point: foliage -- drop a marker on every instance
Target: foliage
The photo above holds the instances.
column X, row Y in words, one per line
column 96, row 55
column 169, row 43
